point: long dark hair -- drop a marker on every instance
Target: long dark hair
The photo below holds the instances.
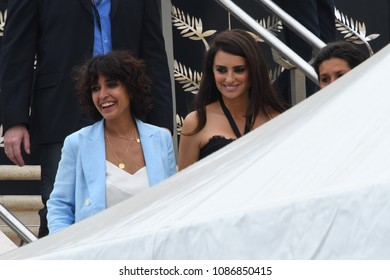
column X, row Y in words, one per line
column 120, row 66
column 262, row 96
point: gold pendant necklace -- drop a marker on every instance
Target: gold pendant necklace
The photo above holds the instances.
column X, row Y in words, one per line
column 121, row 164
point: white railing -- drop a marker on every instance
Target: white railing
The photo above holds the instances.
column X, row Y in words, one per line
column 271, row 39
column 17, row 226
column 293, row 24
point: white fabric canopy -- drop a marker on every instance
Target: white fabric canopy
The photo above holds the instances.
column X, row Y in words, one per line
column 313, row 183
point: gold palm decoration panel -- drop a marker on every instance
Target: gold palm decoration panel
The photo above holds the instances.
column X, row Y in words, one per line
column 354, row 31
column 3, row 16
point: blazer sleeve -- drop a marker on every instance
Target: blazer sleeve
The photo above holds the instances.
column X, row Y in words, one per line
column 17, row 61
column 61, row 205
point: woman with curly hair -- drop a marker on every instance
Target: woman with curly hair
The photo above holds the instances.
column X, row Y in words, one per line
column 118, row 156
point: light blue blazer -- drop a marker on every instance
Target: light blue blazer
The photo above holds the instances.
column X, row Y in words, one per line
column 80, row 186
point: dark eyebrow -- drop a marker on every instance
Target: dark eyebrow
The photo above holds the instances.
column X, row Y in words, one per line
column 111, row 80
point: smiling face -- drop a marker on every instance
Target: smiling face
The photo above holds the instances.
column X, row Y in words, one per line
column 111, row 99
column 231, row 75
column 332, row 69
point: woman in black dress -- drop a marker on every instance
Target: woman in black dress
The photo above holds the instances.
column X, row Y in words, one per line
column 235, row 97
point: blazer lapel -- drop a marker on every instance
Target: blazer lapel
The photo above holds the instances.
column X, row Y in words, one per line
column 93, row 163
column 152, row 156
column 87, row 5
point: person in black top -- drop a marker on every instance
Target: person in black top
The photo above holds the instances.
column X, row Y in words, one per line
column 235, row 97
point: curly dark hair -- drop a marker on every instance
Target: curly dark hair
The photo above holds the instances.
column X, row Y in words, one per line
column 262, row 95
column 120, row 66
column 340, row 49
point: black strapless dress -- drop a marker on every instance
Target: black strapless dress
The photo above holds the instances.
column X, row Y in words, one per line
column 214, row 144
column 217, row 141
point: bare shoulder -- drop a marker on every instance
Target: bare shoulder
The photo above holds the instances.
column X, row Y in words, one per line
column 191, row 117
column 190, row 122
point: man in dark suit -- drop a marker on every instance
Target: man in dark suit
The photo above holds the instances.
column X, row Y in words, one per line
column 318, row 17
column 59, row 35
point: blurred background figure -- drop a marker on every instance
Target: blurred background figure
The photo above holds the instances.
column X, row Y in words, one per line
column 335, row 60
column 318, row 17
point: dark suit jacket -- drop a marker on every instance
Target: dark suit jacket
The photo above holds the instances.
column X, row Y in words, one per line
column 60, row 33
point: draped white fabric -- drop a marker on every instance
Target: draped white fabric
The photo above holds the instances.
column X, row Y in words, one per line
column 5, row 243
column 313, row 183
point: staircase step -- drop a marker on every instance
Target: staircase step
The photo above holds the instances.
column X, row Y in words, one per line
column 25, row 208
